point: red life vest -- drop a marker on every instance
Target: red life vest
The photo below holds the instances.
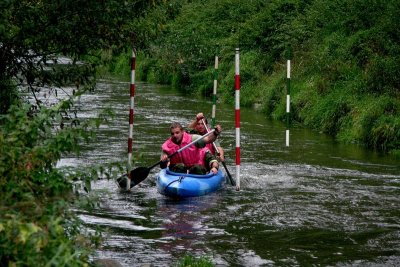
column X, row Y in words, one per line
column 190, row 156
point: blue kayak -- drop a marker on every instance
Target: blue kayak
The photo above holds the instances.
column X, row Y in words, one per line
column 183, row 185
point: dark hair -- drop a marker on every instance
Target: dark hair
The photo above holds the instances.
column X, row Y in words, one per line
column 176, row 125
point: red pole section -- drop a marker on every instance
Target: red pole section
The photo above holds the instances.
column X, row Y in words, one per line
column 237, row 117
column 131, row 113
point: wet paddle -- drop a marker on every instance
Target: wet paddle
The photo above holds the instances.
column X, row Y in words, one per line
column 139, row 174
column 223, row 162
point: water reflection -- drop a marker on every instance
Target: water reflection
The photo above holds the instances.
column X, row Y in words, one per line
column 183, row 221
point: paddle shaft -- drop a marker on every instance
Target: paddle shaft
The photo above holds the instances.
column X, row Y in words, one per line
column 139, row 174
column 183, row 148
column 216, row 150
column 205, row 126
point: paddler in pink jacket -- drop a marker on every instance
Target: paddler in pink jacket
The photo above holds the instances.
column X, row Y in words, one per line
column 197, row 127
column 193, row 159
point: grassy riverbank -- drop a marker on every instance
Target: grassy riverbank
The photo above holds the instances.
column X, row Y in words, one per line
column 345, row 76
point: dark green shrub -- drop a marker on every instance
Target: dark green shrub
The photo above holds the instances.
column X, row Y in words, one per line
column 8, row 94
column 37, row 227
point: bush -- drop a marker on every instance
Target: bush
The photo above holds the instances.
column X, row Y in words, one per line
column 36, row 225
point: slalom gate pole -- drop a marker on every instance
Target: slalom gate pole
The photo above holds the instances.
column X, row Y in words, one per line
column 288, row 102
column 131, row 113
column 214, row 96
column 237, row 117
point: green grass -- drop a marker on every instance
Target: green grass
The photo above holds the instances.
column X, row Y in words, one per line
column 191, row 261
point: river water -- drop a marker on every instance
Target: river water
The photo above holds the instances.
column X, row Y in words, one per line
column 315, row 203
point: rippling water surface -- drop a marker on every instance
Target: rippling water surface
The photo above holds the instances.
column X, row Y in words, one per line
column 315, row 203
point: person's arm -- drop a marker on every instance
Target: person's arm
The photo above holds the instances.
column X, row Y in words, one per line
column 208, row 139
column 221, row 153
column 194, row 122
column 200, row 143
column 211, row 162
column 212, row 137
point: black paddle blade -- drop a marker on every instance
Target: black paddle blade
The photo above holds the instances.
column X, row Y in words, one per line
column 122, row 181
column 138, row 175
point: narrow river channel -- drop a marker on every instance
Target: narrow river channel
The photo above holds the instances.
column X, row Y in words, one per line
column 315, row 203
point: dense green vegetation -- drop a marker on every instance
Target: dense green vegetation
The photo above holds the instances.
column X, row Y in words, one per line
column 36, row 225
column 345, row 54
column 345, row 83
column 46, row 46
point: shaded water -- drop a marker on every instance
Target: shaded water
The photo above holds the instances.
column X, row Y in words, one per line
column 314, row 203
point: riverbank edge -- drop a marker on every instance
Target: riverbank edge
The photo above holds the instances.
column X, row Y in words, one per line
column 368, row 120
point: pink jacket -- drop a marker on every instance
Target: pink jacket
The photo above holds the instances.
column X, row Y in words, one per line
column 190, row 156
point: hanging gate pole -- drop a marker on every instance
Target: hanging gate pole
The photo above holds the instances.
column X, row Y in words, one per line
column 288, row 102
column 214, row 96
column 237, row 117
column 131, row 113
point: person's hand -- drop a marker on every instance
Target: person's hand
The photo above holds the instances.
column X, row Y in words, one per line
column 164, row 161
column 214, row 170
column 218, row 130
column 164, row 157
column 199, row 116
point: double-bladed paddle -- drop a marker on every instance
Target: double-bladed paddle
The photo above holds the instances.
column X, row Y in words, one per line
column 223, row 162
column 139, row 174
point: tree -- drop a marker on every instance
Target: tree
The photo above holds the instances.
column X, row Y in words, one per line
column 34, row 34
column 44, row 45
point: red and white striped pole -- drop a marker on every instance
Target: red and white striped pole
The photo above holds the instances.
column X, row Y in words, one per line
column 132, row 104
column 214, row 96
column 288, row 103
column 237, row 117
